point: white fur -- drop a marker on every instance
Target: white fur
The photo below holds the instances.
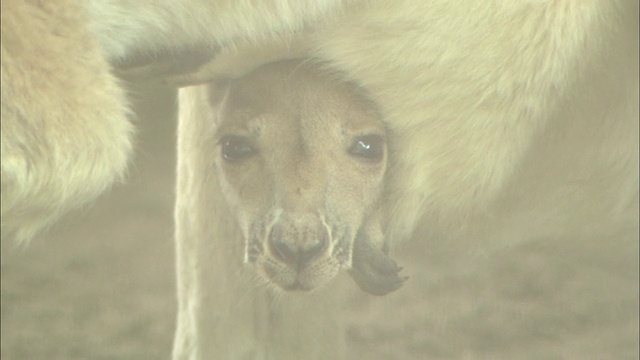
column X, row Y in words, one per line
column 147, row 26
column 65, row 132
column 470, row 86
column 66, row 135
column 514, row 126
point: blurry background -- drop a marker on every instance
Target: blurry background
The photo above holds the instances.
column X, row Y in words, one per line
column 100, row 285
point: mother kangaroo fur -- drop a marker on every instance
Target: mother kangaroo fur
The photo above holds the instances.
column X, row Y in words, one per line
column 514, row 125
column 480, row 100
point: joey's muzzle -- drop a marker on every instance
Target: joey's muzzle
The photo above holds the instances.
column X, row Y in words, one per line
column 298, row 245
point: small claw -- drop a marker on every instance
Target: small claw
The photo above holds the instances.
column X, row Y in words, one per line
column 377, row 285
column 373, row 270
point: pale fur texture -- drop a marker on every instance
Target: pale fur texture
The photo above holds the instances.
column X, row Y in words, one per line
column 470, row 87
column 513, row 126
column 512, row 123
column 66, row 134
column 65, row 131
column 150, row 26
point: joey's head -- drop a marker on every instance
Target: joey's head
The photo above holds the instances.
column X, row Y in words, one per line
column 301, row 159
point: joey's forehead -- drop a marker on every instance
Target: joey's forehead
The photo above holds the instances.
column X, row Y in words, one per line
column 300, row 100
column 304, row 108
column 304, row 125
column 244, row 122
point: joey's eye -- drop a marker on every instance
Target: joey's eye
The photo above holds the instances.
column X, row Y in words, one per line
column 235, row 148
column 370, row 147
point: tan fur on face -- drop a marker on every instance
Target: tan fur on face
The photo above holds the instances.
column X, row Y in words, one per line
column 302, row 180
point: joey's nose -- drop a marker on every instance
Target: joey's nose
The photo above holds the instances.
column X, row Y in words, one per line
column 297, row 247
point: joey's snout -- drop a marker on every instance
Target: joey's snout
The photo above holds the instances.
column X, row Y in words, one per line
column 298, row 244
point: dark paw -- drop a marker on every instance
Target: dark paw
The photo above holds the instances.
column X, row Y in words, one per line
column 373, row 270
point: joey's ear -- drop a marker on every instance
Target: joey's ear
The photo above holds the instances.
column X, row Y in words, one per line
column 373, row 270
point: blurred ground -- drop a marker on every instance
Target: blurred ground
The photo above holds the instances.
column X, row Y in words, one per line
column 101, row 284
